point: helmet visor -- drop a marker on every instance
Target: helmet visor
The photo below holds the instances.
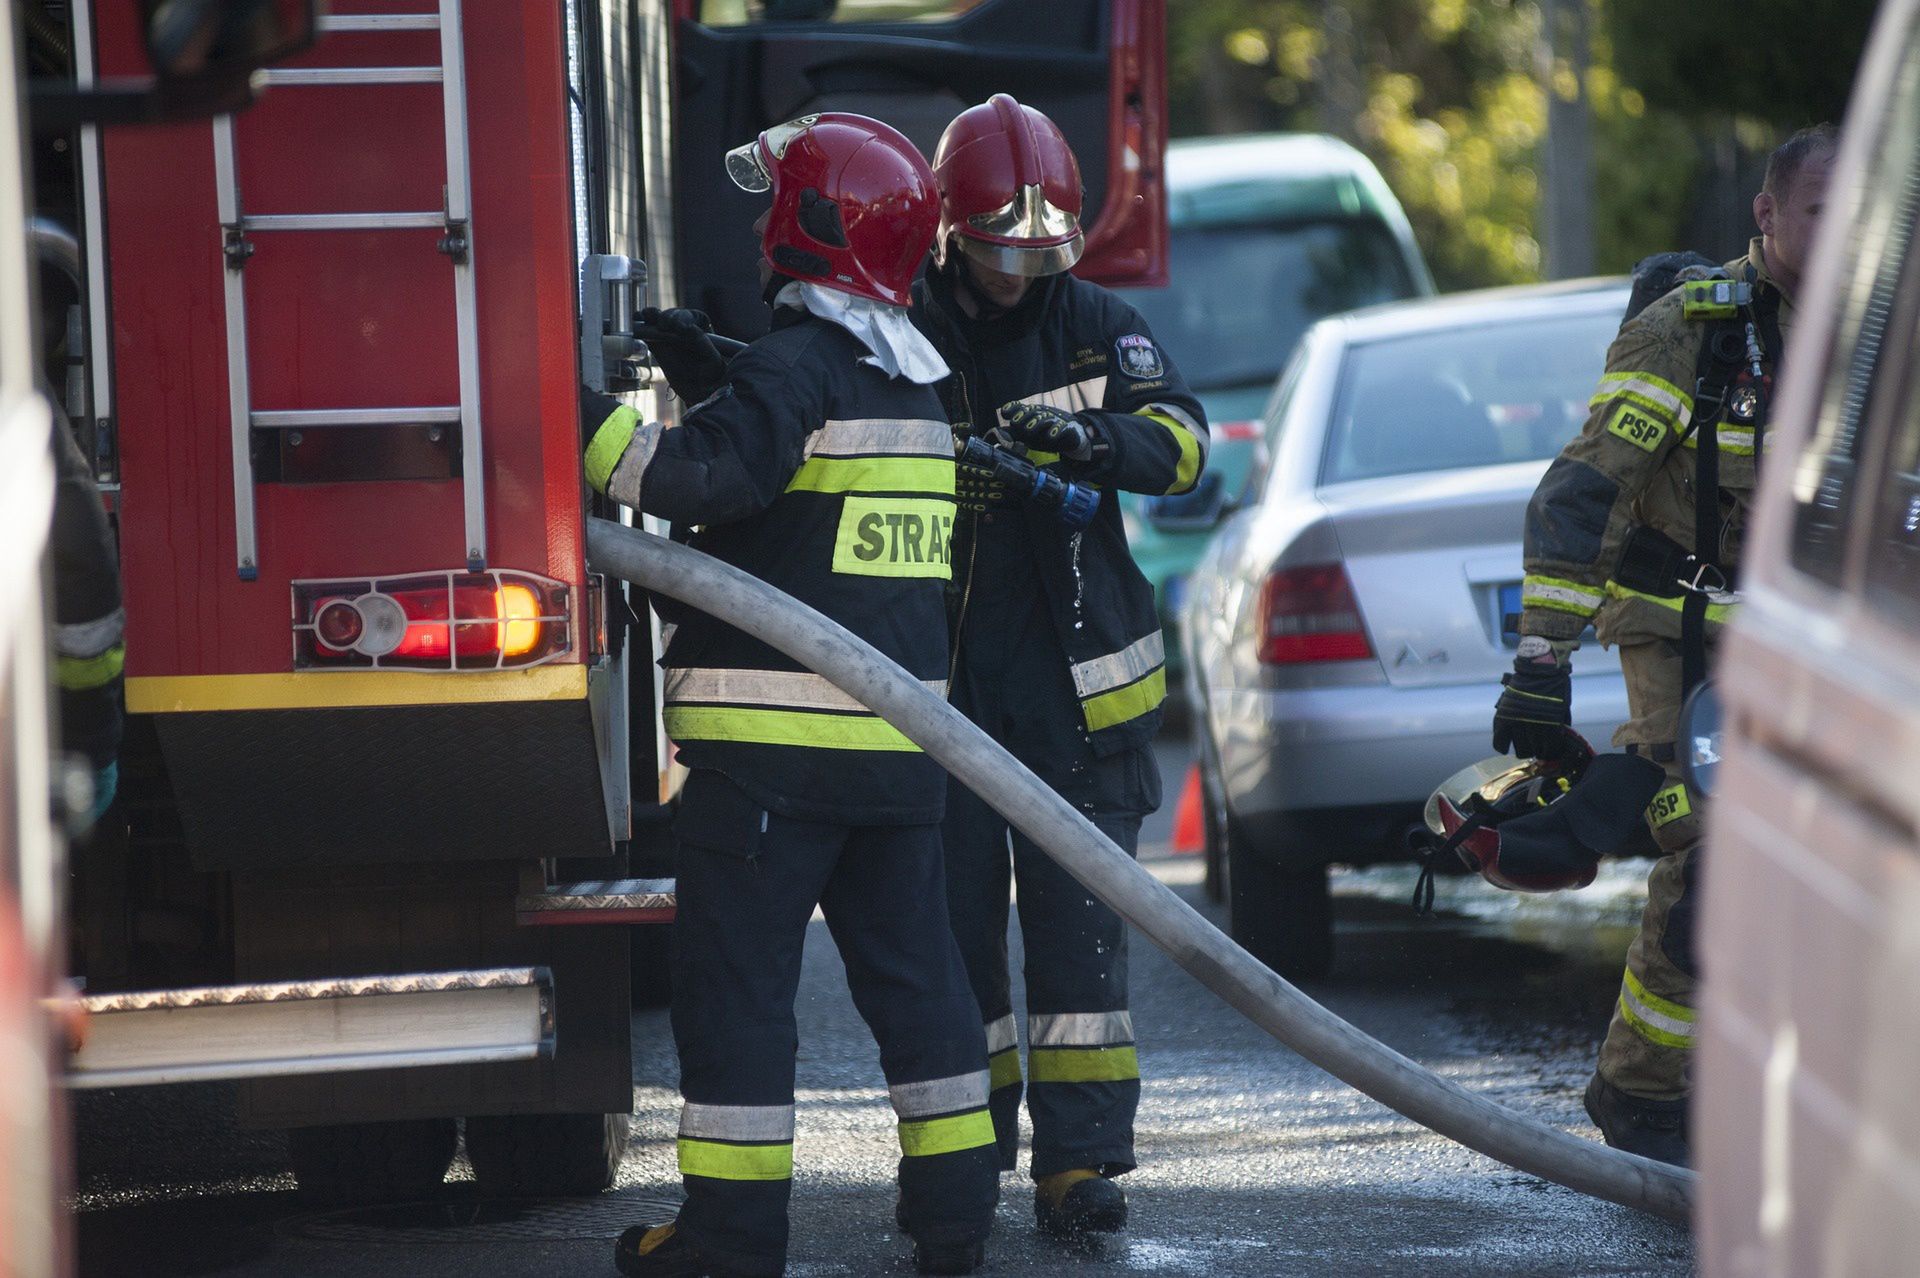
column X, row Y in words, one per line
column 747, row 165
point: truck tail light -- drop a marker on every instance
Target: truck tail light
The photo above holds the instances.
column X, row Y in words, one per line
column 431, row 621
column 1310, row 614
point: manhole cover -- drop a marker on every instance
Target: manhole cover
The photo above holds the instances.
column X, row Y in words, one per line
column 469, row 1219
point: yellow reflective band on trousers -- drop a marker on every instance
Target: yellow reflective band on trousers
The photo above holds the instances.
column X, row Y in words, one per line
column 925, row 1137
column 1560, row 595
column 932, row 476
column 1083, row 1065
column 1659, row 1021
column 1112, row 708
column 718, row 1160
column 1186, row 471
column 784, row 727
column 1719, row 613
column 1003, row 1068
column 609, row 441
column 81, row 674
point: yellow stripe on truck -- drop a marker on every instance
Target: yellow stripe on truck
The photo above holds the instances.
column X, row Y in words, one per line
column 345, row 689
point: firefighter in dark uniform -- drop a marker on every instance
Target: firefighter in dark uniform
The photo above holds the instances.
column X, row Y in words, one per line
column 1618, row 535
column 820, row 462
column 89, row 625
column 1058, row 654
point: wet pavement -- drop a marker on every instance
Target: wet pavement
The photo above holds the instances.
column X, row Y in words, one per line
column 1252, row 1161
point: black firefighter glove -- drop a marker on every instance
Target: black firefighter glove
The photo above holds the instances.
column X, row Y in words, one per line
column 1049, row 429
column 976, row 487
column 1534, row 715
column 682, row 347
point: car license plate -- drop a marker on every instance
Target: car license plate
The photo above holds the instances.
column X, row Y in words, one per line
column 1510, row 615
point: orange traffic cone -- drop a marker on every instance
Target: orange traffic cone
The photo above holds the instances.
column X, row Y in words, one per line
column 1189, row 825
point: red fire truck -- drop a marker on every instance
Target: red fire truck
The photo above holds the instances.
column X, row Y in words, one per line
column 389, row 737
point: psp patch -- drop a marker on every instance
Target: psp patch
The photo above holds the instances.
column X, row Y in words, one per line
column 1139, row 357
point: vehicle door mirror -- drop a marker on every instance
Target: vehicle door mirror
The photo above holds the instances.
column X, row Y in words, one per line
column 204, row 54
column 1700, row 737
column 1197, row 510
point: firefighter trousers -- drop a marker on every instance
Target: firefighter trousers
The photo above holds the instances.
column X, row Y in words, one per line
column 748, row 883
column 1649, row 1045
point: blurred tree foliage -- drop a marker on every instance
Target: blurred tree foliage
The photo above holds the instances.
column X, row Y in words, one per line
column 1448, row 97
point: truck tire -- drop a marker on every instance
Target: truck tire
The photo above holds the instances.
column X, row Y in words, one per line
column 546, row 1155
column 373, row 1162
column 1279, row 911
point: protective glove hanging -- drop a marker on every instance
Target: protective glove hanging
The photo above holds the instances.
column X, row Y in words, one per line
column 1535, row 712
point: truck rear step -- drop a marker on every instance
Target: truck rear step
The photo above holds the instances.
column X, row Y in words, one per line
column 598, row 901
column 314, row 1027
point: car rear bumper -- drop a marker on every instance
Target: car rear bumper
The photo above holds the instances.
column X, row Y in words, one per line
column 1291, row 752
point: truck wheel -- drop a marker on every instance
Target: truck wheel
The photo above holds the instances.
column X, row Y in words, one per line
column 546, row 1155
column 1282, row 915
column 373, row 1162
column 650, row 947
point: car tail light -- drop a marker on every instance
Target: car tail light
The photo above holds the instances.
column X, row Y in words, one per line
column 1236, row 432
column 431, row 621
column 1310, row 614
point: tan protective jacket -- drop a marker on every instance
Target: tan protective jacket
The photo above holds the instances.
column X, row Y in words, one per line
column 1632, row 465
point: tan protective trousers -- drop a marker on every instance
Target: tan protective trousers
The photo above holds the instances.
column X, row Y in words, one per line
column 1649, row 1045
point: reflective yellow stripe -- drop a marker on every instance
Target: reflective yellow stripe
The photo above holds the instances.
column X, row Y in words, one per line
column 1655, row 1019
column 1187, row 470
column 784, row 727
column 1122, row 704
column 929, row 475
column 926, row 1137
column 1735, row 441
column 609, row 441
column 1560, row 595
column 1716, row 612
column 79, row 674
column 1004, row 1068
column 719, row 1161
column 1097, row 1065
column 1669, row 806
column 340, row 689
column 1655, row 392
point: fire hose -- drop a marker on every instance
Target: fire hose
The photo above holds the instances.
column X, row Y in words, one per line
column 1200, row 948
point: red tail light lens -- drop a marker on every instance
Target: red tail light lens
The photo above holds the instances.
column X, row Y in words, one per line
column 1310, row 614
column 431, row 621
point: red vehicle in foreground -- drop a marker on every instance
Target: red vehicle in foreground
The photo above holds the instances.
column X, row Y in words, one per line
column 388, row 734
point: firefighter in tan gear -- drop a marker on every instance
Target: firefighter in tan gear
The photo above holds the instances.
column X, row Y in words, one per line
column 1637, row 528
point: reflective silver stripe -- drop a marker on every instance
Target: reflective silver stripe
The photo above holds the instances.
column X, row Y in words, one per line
column 795, row 688
column 1088, row 393
column 1000, row 1035
column 737, row 1122
column 1185, row 418
column 940, row 1095
column 1648, row 387
column 1585, row 600
column 624, row 485
column 1118, row 669
column 894, row 436
column 1079, row 1029
column 1643, row 1017
column 90, row 638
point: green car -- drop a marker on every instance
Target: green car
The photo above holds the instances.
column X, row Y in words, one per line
column 1269, row 232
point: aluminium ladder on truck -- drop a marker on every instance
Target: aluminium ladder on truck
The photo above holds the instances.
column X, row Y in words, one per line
column 454, row 219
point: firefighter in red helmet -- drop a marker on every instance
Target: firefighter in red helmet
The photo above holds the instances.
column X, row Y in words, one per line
column 1058, row 649
column 819, row 460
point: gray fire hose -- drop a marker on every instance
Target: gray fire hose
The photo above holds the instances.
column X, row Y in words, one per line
column 1148, row 904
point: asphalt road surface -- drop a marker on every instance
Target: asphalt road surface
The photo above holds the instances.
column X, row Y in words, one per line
column 1252, row 1162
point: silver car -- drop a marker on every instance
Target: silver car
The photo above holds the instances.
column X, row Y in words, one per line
column 1349, row 632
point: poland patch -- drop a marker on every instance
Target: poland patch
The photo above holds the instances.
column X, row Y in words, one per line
column 1139, row 357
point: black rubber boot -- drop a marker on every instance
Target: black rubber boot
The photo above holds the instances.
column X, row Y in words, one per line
column 661, row 1251
column 931, row 1257
column 1073, row 1204
column 1655, row 1129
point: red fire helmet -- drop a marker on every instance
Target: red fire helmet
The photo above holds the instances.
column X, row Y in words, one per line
column 1010, row 190
column 854, row 205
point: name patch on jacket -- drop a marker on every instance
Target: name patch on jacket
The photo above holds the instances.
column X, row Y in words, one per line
column 894, row 537
column 1139, row 357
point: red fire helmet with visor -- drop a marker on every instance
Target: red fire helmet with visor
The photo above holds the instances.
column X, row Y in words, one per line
column 1010, row 193
column 854, row 205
